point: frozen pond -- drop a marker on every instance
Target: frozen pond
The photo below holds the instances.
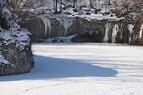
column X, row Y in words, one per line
column 80, row 69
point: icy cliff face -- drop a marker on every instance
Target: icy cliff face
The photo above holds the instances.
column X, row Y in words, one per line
column 15, row 44
column 90, row 28
column 103, row 23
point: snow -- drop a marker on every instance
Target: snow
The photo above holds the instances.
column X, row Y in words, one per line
column 3, row 60
column 99, row 17
column 17, row 35
column 80, row 69
column 66, row 39
column 7, row 11
column 21, row 40
column 14, row 34
column 66, row 16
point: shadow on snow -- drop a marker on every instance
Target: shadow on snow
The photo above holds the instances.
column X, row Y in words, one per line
column 47, row 68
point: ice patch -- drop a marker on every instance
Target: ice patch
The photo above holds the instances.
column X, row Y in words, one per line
column 47, row 25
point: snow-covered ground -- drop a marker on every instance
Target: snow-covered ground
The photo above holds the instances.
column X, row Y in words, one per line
column 80, row 69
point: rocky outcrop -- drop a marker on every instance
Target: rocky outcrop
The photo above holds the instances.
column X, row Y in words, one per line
column 15, row 45
column 15, row 53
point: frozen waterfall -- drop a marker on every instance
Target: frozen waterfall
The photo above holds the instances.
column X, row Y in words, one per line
column 130, row 28
column 66, row 23
column 107, row 28
column 114, row 33
column 47, row 25
column 141, row 31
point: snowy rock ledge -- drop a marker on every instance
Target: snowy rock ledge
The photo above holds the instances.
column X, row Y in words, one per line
column 15, row 46
column 15, row 52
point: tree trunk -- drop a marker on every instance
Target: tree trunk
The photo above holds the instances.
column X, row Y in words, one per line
column 74, row 3
column 109, row 3
column 56, row 6
column 60, row 5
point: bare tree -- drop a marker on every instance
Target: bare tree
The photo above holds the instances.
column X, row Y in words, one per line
column 20, row 5
column 91, row 2
column 57, row 6
column 74, row 3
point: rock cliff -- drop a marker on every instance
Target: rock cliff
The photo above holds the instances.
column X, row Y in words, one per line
column 15, row 44
column 104, row 24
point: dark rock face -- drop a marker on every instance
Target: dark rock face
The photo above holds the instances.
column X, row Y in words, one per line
column 18, row 60
column 87, row 31
column 44, row 28
column 137, row 35
column 100, row 31
column 21, row 62
column 36, row 27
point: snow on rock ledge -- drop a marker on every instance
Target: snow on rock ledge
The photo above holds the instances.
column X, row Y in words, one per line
column 20, row 37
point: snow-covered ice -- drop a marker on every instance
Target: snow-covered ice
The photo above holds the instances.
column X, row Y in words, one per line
column 80, row 69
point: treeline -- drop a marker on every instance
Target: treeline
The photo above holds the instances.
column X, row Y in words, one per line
column 18, row 5
column 122, row 7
